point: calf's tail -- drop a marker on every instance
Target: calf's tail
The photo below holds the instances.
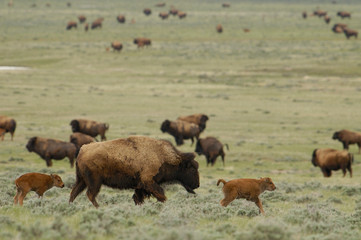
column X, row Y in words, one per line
column 221, row 181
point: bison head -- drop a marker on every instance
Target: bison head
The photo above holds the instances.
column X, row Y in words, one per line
column 31, row 143
column 314, row 158
column 199, row 149
column 75, row 125
column 135, row 41
column 57, row 180
column 165, row 126
column 188, row 173
column 335, row 135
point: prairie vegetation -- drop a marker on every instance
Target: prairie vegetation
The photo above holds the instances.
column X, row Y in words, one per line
column 273, row 94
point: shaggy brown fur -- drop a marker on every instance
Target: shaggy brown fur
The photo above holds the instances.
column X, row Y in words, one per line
column 320, row 13
column 80, row 139
column 89, row 127
column 9, row 125
column 86, row 27
column 82, row 18
column 121, row 19
column 211, row 148
column 347, row 137
column 117, row 46
column 349, row 33
column 139, row 163
column 71, row 25
column 147, row 11
column 141, row 42
column 338, row 27
column 36, row 182
column 219, row 28
column 249, row 189
column 344, row 14
column 173, row 11
column 182, row 14
column 97, row 23
column 181, row 130
column 160, row 4
column 163, row 15
column 331, row 160
column 49, row 149
column 327, row 19
column 199, row 119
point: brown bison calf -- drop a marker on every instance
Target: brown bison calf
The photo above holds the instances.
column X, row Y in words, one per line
column 304, row 14
column 349, row 33
column 320, row 13
column 344, row 14
column 327, row 19
column 80, row 139
column 89, row 127
column 182, row 15
column 211, row 148
column 199, row 119
column 49, row 149
column 219, row 28
column 226, row 5
column 36, row 182
column 181, row 130
column 71, row 25
column 249, row 189
column 331, row 160
column 8, row 125
column 117, row 46
column 347, row 137
column 141, row 42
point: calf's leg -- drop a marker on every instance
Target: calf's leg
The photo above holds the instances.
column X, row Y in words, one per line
column 259, row 205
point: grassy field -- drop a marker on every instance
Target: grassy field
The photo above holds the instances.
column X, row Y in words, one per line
column 273, row 94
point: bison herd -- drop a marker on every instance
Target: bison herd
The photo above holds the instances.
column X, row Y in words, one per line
column 338, row 27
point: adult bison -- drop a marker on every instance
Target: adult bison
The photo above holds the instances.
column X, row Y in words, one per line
column 71, row 24
column 339, row 27
column 344, row 14
column 82, row 18
column 331, row 160
column 147, row 11
column 182, row 15
column 49, row 149
column 89, row 127
column 211, row 147
column 8, row 124
column 199, row 119
column 121, row 18
column 141, row 42
column 349, row 33
column 347, row 137
column 80, row 139
column 117, row 46
column 181, row 130
column 97, row 23
column 163, row 15
column 137, row 162
column 219, row 28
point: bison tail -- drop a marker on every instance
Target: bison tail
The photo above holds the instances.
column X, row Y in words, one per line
column 12, row 125
column 226, row 146
column 221, row 181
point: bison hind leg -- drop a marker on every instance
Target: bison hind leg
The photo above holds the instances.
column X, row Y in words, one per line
column 77, row 189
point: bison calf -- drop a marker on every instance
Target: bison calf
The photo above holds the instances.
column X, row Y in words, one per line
column 49, row 149
column 331, row 160
column 211, row 148
column 89, row 127
column 36, row 182
column 348, row 137
column 249, row 189
column 8, row 125
column 181, row 130
column 199, row 119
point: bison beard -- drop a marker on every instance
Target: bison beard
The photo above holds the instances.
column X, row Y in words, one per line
column 138, row 163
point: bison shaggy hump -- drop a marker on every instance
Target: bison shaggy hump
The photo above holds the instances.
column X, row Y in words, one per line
column 139, row 163
column 331, row 160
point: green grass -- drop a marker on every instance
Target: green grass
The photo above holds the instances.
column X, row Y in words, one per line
column 273, row 94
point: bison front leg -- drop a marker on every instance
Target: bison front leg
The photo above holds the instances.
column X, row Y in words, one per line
column 326, row 172
column 156, row 190
column 259, row 205
column 345, row 145
column 139, row 196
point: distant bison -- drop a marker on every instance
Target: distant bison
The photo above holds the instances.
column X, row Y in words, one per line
column 246, row 30
column 327, row 19
column 304, row 14
column 219, row 28
column 36, row 182
column 49, row 149
column 211, row 148
column 141, row 42
column 89, row 127
column 117, row 46
column 331, row 160
column 226, row 5
column 339, row 27
column 320, row 13
column 347, row 137
column 97, row 23
column 80, row 139
column 121, row 19
column 349, row 33
column 71, row 25
column 139, row 163
column 199, row 119
column 82, row 18
column 344, row 14
column 163, row 15
column 182, row 15
column 147, row 11
column 8, row 125
column 181, row 130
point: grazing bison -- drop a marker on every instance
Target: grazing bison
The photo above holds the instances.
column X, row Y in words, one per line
column 49, row 149
column 344, row 14
column 250, row 189
column 199, row 119
column 121, row 19
column 117, row 46
column 347, row 137
column 219, row 28
column 36, row 182
column 181, row 130
column 349, row 33
column 211, row 148
column 71, row 25
column 9, row 125
column 160, row 4
column 338, row 27
column 182, row 15
column 89, row 127
column 246, row 30
column 139, row 163
column 80, row 139
column 327, row 19
column 82, row 18
column 320, row 13
column 97, row 23
column 226, row 5
column 304, row 14
column 86, row 27
column 147, row 11
column 163, row 15
column 331, row 160
column 141, row 42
